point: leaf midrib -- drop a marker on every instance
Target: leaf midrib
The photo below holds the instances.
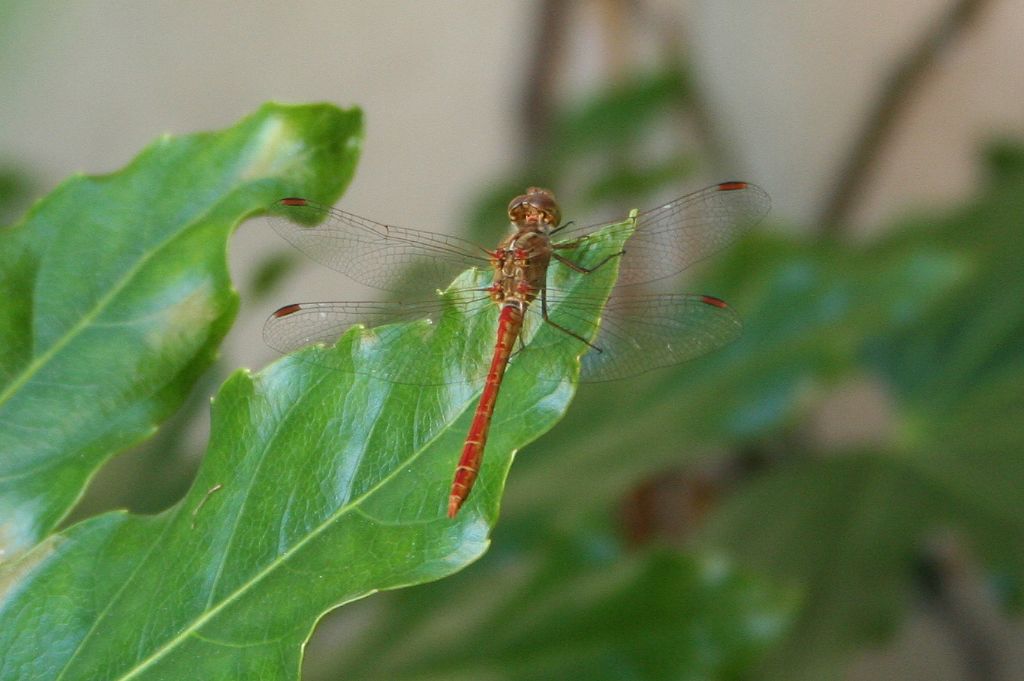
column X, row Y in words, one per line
column 352, row 505
column 102, row 304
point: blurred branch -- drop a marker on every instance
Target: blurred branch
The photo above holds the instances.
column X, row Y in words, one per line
column 615, row 17
column 897, row 93
column 672, row 47
column 952, row 585
column 546, row 56
column 554, row 19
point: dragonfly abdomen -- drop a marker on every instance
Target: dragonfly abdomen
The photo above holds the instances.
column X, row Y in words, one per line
column 510, row 323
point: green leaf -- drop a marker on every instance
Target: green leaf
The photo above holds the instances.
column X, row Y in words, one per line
column 116, row 295
column 571, row 611
column 320, row 486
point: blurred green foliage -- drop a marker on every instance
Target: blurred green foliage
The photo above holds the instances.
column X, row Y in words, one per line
column 15, row 188
column 616, row 148
column 565, row 609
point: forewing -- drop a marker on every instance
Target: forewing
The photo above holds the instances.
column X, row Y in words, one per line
column 681, row 232
column 370, row 252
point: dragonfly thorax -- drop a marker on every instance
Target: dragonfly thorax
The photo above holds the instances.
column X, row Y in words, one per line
column 520, row 266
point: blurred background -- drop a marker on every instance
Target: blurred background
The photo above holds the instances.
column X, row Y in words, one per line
column 838, row 495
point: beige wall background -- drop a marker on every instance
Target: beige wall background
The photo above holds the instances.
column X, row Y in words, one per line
column 86, row 85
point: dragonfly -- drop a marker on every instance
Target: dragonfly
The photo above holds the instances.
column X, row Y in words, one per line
column 637, row 331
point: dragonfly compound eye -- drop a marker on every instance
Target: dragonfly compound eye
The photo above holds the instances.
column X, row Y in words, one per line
column 537, row 203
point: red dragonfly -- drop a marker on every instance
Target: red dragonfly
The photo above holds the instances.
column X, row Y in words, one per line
column 638, row 331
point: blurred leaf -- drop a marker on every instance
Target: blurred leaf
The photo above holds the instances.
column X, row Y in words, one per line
column 851, row 528
column 961, row 368
column 1005, row 161
column 15, row 187
column 974, row 335
column 269, row 273
column 625, row 183
column 321, row 485
column 608, row 139
column 567, row 611
column 848, row 531
column 117, row 295
column 619, row 115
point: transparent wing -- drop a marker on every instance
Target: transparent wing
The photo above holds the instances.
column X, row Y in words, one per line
column 399, row 334
column 300, row 324
column 674, row 236
column 640, row 333
column 370, row 252
column 636, row 333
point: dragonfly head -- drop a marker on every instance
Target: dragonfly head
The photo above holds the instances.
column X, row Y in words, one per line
column 537, row 207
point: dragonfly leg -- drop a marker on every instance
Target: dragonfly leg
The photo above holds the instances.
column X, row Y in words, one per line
column 544, row 313
column 520, row 343
column 576, row 267
column 558, row 229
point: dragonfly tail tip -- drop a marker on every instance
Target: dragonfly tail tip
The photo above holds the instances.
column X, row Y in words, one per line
column 454, row 503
